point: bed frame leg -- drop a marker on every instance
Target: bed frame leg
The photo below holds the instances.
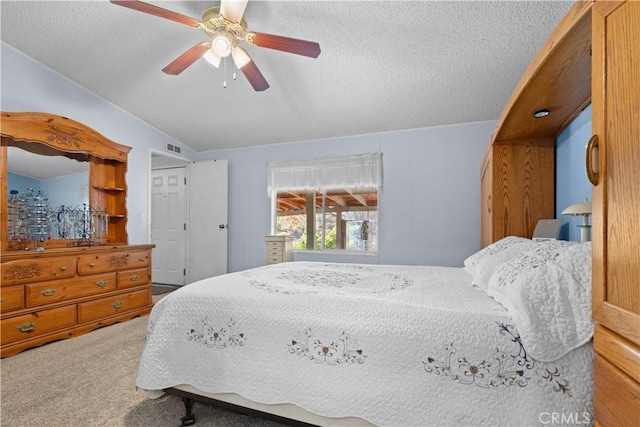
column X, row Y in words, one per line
column 189, row 419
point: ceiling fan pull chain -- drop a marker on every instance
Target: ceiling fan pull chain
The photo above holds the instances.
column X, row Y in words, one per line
column 224, row 73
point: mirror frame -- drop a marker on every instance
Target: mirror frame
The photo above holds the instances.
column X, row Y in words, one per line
column 53, row 134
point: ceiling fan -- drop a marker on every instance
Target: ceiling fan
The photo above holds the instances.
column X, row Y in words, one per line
column 227, row 29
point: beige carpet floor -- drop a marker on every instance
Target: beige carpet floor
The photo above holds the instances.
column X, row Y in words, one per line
column 90, row 381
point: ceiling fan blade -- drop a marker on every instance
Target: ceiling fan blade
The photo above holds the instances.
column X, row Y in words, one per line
column 157, row 11
column 285, row 44
column 251, row 71
column 232, row 10
column 186, row 59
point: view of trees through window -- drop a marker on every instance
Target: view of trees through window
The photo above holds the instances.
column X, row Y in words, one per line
column 349, row 222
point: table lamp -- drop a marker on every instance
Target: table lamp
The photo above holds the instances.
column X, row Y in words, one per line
column 584, row 209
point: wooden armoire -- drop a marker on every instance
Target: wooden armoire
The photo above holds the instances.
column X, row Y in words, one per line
column 593, row 56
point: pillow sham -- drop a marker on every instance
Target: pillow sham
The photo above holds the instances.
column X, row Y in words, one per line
column 547, row 291
column 483, row 263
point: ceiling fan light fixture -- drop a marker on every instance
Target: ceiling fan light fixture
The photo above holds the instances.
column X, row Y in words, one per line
column 240, row 57
column 221, row 44
column 212, row 58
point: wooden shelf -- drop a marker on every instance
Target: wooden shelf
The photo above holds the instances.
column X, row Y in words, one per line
column 558, row 79
column 110, row 188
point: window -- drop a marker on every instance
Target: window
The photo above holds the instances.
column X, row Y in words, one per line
column 334, row 200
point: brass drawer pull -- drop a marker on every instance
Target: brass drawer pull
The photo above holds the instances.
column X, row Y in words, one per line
column 63, row 268
column 48, row 292
column 26, row 327
column 92, row 264
column 102, row 283
column 142, row 259
column 118, row 304
column 134, row 277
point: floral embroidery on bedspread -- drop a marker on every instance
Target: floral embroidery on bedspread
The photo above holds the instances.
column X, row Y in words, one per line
column 503, row 368
column 345, row 279
column 220, row 338
column 535, row 258
column 341, row 351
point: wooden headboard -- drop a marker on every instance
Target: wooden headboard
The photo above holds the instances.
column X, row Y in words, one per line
column 518, row 172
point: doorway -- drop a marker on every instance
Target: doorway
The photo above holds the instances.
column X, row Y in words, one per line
column 168, row 219
column 188, row 219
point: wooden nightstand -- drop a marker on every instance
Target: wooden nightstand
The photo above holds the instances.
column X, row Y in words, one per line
column 279, row 249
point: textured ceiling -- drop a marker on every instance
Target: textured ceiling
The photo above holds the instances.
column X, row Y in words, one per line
column 384, row 66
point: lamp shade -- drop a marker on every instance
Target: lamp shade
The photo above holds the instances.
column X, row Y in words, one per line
column 212, row 58
column 583, row 208
column 240, row 57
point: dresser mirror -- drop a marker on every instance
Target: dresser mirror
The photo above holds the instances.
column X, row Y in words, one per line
column 59, row 184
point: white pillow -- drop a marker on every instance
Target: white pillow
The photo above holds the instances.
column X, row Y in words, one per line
column 547, row 291
column 483, row 263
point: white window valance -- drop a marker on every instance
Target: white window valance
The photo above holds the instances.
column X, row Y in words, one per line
column 362, row 172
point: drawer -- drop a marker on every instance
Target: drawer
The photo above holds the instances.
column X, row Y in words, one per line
column 100, row 263
column 39, row 323
column 615, row 395
column 11, row 298
column 61, row 290
column 37, row 270
column 133, row 278
column 274, row 259
column 98, row 309
column 139, row 259
column 274, row 245
column 275, row 251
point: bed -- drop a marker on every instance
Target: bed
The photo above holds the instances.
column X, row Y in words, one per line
column 505, row 340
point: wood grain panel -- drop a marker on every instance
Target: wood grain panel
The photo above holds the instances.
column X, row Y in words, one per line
column 486, row 202
column 623, row 130
column 616, row 396
column 616, row 121
column 37, row 323
column 523, row 186
column 133, row 278
column 109, row 306
column 36, row 270
column 619, row 351
column 68, row 289
column 11, row 298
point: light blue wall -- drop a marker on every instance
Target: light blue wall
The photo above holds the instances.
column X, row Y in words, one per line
column 572, row 185
column 69, row 190
column 21, row 183
column 429, row 207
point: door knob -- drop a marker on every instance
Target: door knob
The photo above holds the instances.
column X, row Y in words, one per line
column 223, row 226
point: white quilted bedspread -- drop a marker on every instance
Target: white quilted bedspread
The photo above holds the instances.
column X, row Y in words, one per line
column 394, row 345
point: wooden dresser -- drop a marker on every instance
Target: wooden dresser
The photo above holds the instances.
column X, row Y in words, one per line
column 61, row 293
column 54, row 288
column 592, row 56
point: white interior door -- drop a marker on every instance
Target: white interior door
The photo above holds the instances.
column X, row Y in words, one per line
column 168, row 225
column 208, row 219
